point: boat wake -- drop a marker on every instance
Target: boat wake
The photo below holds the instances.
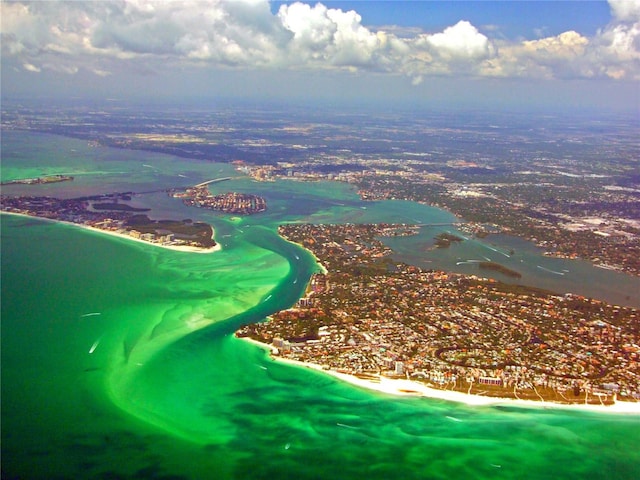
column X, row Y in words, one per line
column 550, row 271
column 464, row 262
column 94, row 346
column 497, row 251
column 453, row 419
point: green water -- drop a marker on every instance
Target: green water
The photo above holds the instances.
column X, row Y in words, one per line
column 156, row 386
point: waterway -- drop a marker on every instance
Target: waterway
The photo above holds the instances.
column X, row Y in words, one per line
column 119, row 360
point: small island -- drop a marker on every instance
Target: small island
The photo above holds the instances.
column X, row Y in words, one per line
column 445, row 239
column 232, row 202
column 40, row 180
column 499, row 268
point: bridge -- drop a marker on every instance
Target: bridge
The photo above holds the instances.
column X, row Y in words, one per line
column 215, row 180
column 450, row 224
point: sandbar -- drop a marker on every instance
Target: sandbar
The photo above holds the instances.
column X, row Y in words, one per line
column 179, row 248
column 402, row 387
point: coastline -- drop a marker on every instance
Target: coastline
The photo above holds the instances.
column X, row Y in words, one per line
column 177, row 248
column 402, row 387
column 323, row 269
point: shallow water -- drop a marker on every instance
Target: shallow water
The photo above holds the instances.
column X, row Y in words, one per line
column 156, row 386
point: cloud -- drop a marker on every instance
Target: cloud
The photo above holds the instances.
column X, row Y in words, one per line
column 153, row 36
column 31, row 68
column 625, row 10
column 330, row 36
column 619, row 51
column 558, row 56
column 462, row 40
column 614, row 52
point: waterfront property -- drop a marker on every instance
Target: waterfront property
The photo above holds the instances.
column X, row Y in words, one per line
column 452, row 331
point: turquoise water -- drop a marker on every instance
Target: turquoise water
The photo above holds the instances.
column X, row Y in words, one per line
column 119, row 361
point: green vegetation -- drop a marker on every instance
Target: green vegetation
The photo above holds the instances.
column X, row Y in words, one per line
column 120, row 219
column 121, row 207
column 499, row 268
column 40, row 180
column 195, row 231
column 445, row 239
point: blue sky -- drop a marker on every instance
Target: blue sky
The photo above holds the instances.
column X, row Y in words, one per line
column 545, row 54
column 514, row 18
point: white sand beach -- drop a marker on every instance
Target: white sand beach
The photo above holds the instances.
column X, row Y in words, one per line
column 404, row 387
column 179, row 248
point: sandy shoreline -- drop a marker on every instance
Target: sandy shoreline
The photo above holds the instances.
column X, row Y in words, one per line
column 177, row 248
column 410, row 388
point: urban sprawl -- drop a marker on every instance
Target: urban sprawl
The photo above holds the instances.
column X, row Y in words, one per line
column 369, row 316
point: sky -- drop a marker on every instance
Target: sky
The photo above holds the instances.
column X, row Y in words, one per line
column 480, row 54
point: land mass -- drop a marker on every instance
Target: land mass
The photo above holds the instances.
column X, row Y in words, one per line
column 445, row 239
column 232, row 202
column 499, row 268
column 116, row 218
column 40, row 180
column 369, row 316
column 569, row 187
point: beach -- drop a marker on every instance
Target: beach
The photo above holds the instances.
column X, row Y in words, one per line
column 402, row 387
column 178, row 248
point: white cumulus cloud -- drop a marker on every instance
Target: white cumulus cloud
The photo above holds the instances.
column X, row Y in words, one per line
column 151, row 36
column 625, row 10
column 462, row 40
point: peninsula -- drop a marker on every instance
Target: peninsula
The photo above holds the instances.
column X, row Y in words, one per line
column 374, row 318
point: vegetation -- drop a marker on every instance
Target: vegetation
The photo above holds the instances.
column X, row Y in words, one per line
column 197, row 231
column 499, row 268
column 445, row 239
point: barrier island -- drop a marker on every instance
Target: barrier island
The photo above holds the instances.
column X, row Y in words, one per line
column 108, row 214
